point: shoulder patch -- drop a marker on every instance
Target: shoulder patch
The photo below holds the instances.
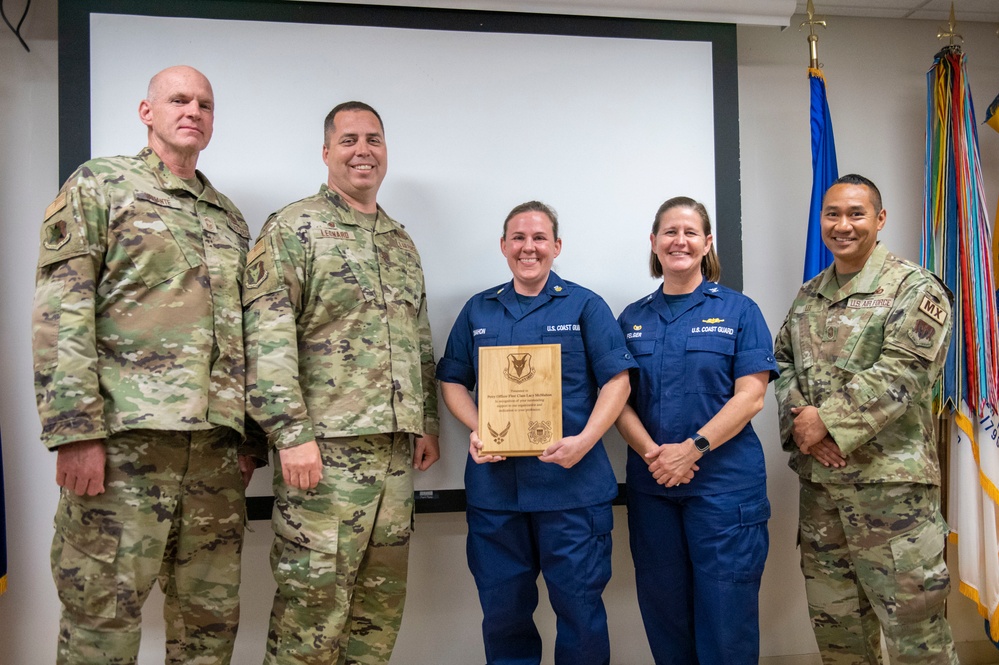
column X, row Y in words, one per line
column 62, row 235
column 933, row 310
column 261, row 276
column 921, row 334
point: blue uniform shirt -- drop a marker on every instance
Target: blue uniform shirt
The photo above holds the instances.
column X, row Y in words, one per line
column 688, row 362
column 593, row 352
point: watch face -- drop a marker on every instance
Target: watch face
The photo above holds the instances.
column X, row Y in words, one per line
column 701, row 444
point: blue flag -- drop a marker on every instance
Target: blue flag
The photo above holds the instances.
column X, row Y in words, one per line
column 3, row 534
column 824, row 173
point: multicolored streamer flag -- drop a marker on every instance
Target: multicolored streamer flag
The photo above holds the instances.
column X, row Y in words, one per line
column 956, row 246
column 3, row 530
column 824, row 172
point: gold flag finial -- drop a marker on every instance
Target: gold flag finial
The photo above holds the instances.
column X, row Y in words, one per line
column 951, row 25
column 813, row 39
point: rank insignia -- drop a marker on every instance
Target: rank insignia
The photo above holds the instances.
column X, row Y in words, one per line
column 558, row 289
column 636, row 327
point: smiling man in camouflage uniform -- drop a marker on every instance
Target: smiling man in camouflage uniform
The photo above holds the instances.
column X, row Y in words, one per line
column 138, row 359
column 340, row 372
column 858, row 353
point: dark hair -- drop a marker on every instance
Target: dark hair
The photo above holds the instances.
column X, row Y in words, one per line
column 534, row 206
column 855, row 179
column 328, row 127
column 710, row 265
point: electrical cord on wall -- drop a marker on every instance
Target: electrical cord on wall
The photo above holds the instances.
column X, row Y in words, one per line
column 17, row 30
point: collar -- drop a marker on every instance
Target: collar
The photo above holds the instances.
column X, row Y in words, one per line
column 555, row 287
column 703, row 292
column 866, row 281
column 352, row 217
column 168, row 181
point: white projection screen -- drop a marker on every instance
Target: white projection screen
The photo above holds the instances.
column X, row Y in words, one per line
column 603, row 119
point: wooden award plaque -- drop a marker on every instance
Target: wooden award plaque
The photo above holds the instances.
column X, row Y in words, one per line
column 520, row 398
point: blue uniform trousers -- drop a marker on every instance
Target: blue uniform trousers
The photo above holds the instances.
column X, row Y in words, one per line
column 698, row 564
column 572, row 549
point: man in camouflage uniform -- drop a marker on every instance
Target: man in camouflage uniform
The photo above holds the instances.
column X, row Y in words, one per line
column 138, row 357
column 858, row 353
column 340, row 374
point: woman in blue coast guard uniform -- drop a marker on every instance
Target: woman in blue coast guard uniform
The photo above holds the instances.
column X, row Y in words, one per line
column 697, row 500
column 549, row 514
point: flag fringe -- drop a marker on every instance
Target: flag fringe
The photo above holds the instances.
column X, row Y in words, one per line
column 966, row 426
column 971, row 593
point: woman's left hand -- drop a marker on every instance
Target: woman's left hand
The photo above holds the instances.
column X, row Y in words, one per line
column 673, row 463
column 566, row 451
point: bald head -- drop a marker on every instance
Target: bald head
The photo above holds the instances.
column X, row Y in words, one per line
column 159, row 84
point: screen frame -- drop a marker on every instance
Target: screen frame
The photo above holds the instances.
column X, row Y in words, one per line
column 75, row 95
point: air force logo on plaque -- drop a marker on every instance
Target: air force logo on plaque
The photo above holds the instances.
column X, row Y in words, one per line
column 498, row 436
column 519, row 368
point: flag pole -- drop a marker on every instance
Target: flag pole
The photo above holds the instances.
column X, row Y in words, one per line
column 813, row 39
column 824, row 167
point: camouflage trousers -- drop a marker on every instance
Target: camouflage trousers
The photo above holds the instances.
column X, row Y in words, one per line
column 172, row 511
column 872, row 556
column 340, row 555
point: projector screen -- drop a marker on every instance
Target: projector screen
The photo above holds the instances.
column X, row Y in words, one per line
column 603, row 119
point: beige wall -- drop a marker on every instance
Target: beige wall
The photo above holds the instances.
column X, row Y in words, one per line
column 875, row 70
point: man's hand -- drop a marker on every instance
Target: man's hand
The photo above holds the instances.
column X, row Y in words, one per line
column 828, row 453
column 247, row 465
column 426, row 451
column 301, row 465
column 80, row 467
column 808, row 428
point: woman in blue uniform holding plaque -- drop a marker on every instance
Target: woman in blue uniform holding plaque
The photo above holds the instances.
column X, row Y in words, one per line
column 697, row 499
column 552, row 513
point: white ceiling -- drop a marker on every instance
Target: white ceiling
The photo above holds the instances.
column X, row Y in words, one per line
column 986, row 11
column 41, row 21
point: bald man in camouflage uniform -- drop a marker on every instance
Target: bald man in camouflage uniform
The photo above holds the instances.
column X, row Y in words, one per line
column 341, row 377
column 139, row 377
column 859, row 352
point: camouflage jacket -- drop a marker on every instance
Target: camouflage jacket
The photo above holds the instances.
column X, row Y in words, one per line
column 337, row 336
column 867, row 355
column 137, row 320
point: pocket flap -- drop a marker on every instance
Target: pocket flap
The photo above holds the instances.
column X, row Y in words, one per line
column 914, row 548
column 89, row 530
column 310, row 529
